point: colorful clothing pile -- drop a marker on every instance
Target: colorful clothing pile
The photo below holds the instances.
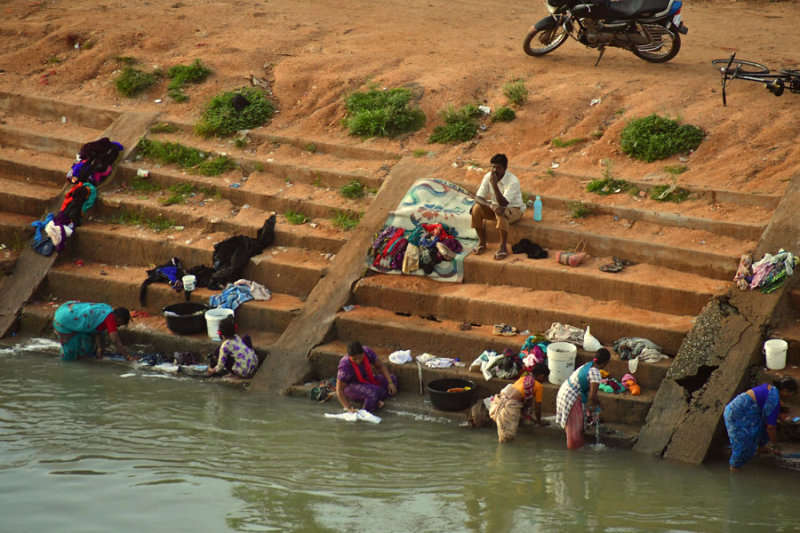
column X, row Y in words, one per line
column 423, row 248
column 768, row 274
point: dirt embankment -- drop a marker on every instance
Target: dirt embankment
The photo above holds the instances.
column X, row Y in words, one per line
column 315, row 52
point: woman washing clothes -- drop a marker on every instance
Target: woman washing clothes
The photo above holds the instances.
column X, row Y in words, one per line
column 507, row 407
column 751, row 420
column 356, row 380
column 80, row 327
column 236, row 353
column 581, row 388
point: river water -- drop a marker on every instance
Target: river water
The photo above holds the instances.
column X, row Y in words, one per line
column 87, row 447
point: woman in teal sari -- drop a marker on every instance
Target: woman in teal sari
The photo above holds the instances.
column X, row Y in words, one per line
column 80, row 327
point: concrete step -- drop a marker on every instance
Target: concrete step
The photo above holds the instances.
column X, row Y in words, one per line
column 288, row 270
column 26, row 198
column 306, row 164
column 445, row 338
column 64, row 143
column 709, row 255
column 616, row 408
column 219, row 215
column 260, row 191
column 37, row 168
column 641, row 285
column 15, row 230
column 119, row 286
column 53, row 110
column 523, row 308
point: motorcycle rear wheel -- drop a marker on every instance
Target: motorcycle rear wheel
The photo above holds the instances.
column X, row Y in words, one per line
column 669, row 48
column 549, row 39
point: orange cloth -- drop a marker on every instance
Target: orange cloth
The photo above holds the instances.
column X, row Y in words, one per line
column 537, row 389
column 632, row 386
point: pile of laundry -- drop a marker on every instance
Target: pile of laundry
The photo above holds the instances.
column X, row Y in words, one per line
column 767, row 274
column 95, row 162
column 424, row 247
column 229, row 260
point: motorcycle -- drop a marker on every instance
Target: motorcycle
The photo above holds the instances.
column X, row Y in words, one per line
column 651, row 29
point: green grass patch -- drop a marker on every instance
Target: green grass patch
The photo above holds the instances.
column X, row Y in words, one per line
column 516, row 92
column 125, row 60
column 144, row 185
column 354, row 190
column 578, row 209
column 133, row 218
column 459, row 125
column 221, row 118
column 133, row 81
column 526, row 197
column 376, row 113
column 180, row 75
column 654, row 137
column 558, row 142
column 504, row 114
column 668, row 193
column 675, row 170
column 194, row 160
column 598, row 133
column 345, row 220
column 163, row 127
column 420, row 152
column 294, row 218
column 311, row 148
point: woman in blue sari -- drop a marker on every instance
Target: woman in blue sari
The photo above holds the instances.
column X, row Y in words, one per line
column 751, row 419
column 80, row 327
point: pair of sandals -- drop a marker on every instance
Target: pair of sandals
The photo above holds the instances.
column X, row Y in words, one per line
column 498, row 256
column 504, row 330
column 617, row 265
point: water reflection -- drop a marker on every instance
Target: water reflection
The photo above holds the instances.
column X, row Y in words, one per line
column 102, row 452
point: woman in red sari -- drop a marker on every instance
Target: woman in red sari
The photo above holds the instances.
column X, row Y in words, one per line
column 357, row 380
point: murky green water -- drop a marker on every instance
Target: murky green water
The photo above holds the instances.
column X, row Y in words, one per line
column 97, row 448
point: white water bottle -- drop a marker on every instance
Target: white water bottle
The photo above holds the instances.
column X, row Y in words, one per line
column 537, row 209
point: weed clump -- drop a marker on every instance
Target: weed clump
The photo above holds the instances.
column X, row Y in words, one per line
column 345, row 220
column 668, row 193
column 192, row 159
column 504, row 114
column 460, row 125
column 133, row 218
column 558, row 142
column 231, row 111
column 354, row 190
column 295, row 218
column 654, row 137
column 376, row 113
column 180, row 75
column 516, row 92
column 133, row 81
column 578, row 209
column 609, row 185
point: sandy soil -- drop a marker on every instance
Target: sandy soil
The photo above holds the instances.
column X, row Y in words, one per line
column 314, row 52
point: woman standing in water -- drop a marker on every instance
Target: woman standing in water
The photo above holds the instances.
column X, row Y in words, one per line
column 580, row 389
column 751, row 419
column 355, row 379
column 80, row 327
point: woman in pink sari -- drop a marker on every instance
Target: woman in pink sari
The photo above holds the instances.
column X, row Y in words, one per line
column 356, row 380
column 579, row 390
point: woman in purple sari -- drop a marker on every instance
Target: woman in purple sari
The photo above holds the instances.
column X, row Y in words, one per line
column 356, row 380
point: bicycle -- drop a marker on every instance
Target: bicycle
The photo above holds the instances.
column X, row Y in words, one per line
column 774, row 82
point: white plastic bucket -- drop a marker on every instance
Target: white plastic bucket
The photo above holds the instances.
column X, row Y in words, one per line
column 213, row 318
column 775, row 350
column 189, row 282
column 561, row 361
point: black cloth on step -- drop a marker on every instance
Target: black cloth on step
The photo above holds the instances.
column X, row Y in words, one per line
column 531, row 249
column 231, row 255
column 100, row 153
column 160, row 275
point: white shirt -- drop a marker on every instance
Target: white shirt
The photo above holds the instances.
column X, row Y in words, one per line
column 509, row 187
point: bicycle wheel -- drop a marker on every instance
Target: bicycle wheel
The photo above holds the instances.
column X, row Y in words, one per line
column 540, row 42
column 739, row 65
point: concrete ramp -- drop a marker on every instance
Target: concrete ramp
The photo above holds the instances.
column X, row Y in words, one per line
column 31, row 267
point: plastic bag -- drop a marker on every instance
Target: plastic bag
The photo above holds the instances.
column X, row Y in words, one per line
column 590, row 343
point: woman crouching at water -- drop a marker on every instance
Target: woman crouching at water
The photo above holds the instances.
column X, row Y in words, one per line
column 514, row 398
column 80, row 327
column 751, row 420
column 580, row 389
column 355, row 379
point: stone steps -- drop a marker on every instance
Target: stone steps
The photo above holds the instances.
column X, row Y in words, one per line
column 53, row 110
column 30, row 166
column 390, row 331
column 26, row 198
column 120, row 285
column 617, row 408
column 525, row 309
column 292, row 271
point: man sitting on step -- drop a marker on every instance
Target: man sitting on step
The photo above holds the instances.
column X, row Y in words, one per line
column 499, row 198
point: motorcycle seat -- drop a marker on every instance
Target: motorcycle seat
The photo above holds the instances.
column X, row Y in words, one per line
column 630, row 9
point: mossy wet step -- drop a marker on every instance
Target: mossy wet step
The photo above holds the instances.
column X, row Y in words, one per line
column 522, row 308
column 617, row 408
column 120, row 285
